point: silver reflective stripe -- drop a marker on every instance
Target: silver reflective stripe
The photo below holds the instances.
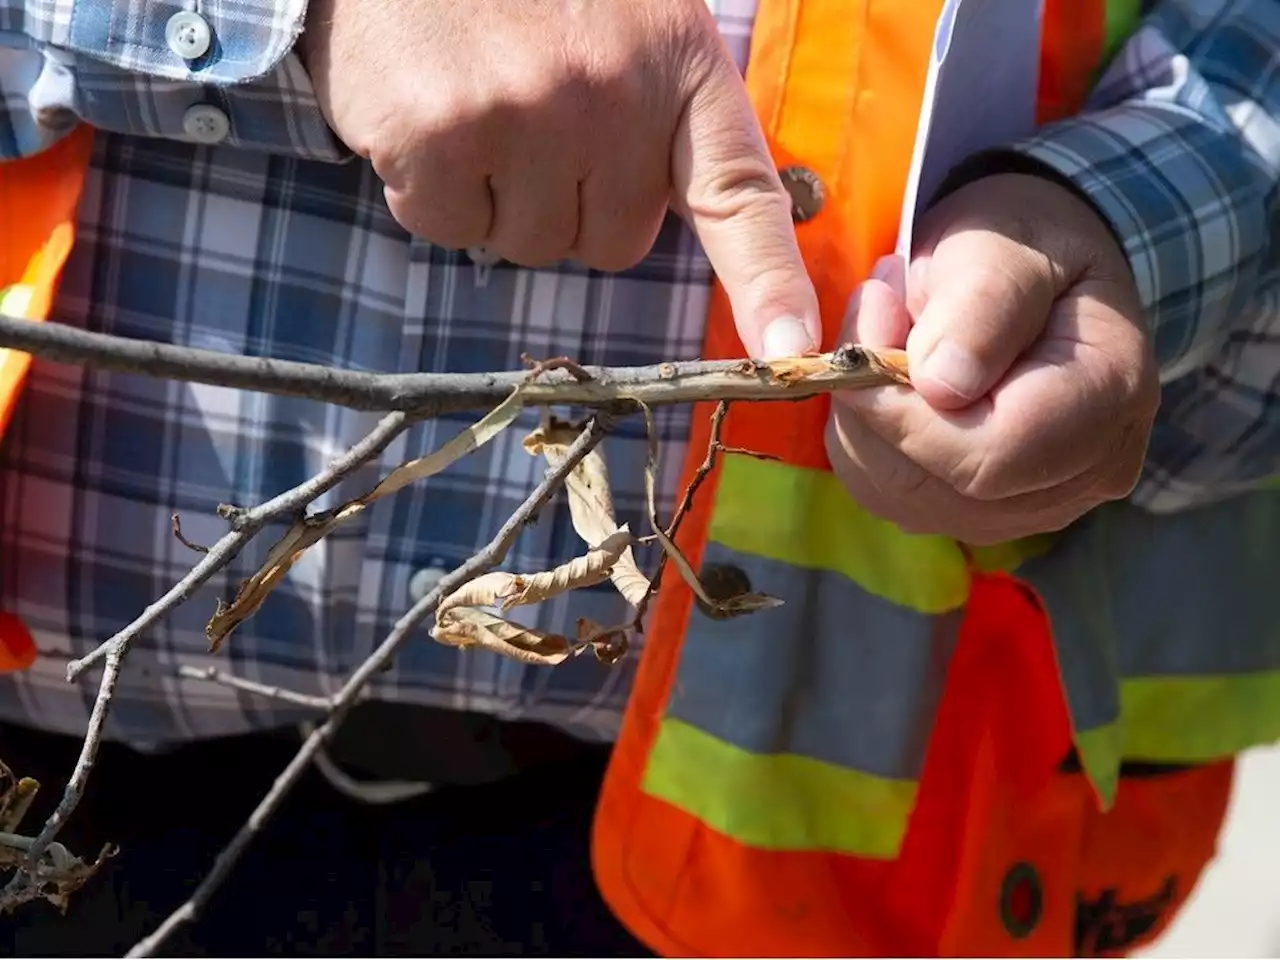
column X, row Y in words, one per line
column 835, row 674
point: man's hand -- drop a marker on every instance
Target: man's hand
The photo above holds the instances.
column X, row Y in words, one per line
column 566, row 129
column 1035, row 383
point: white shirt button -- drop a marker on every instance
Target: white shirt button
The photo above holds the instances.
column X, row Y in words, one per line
column 205, row 123
column 424, row 581
column 188, row 35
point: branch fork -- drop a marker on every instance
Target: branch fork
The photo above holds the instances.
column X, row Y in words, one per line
column 467, row 606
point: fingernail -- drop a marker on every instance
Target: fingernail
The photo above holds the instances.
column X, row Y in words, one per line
column 955, row 368
column 785, row 337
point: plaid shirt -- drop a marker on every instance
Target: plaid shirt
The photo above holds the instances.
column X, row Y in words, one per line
column 264, row 246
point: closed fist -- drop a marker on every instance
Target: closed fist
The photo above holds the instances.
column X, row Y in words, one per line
column 1035, row 382
column 566, row 129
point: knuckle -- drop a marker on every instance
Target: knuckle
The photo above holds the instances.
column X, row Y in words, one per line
column 1014, row 274
column 978, row 476
column 442, row 230
column 543, row 240
column 739, row 188
column 1126, row 464
column 906, row 480
column 686, row 34
column 532, row 256
column 621, row 231
column 904, row 488
column 612, row 256
column 985, row 482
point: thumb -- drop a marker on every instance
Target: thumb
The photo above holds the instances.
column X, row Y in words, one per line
column 726, row 188
column 986, row 300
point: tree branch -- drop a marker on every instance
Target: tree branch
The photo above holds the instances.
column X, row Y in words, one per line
column 18, row 889
column 483, row 561
column 222, row 678
column 558, row 381
column 245, row 525
column 433, row 394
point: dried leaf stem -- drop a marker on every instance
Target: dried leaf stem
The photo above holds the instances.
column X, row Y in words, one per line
column 483, row 561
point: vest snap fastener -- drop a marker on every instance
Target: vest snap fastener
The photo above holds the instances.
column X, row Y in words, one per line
column 722, row 581
column 806, row 191
column 1021, row 900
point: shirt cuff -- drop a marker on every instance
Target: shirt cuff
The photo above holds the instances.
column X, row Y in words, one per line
column 1188, row 207
column 237, row 40
column 227, row 75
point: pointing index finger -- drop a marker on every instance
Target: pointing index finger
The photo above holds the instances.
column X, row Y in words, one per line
column 726, row 187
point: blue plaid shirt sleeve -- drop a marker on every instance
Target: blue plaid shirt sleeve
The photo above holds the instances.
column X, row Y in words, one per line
column 1179, row 148
column 109, row 64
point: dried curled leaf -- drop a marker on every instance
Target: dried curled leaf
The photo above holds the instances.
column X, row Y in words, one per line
column 728, row 607
column 16, row 795
column 284, row 553
column 469, row 627
column 59, row 872
column 590, row 501
column 57, row 876
column 308, row 531
column 468, row 441
column 507, row 590
column 460, row 621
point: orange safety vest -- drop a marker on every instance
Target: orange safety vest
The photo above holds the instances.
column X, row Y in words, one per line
column 1017, row 824
column 728, row 824
column 39, row 197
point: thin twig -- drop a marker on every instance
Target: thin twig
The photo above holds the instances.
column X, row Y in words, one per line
column 245, row 525
column 483, row 561
column 221, row 677
column 433, row 394
column 376, row 792
column 176, row 523
column 708, row 464
column 15, row 841
column 538, row 367
column 713, row 447
column 16, row 890
column 559, row 381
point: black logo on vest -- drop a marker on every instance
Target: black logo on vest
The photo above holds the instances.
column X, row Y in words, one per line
column 1106, row 925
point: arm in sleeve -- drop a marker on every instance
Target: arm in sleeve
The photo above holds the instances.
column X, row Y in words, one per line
column 1179, row 149
column 210, row 71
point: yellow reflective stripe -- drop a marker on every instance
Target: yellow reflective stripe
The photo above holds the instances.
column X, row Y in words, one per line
column 1199, row 718
column 1122, row 19
column 778, row 801
column 1182, row 720
column 1100, row 751
column 806, row 518
column 1007, row 557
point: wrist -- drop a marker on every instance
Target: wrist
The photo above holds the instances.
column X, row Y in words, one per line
column 998, row 161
